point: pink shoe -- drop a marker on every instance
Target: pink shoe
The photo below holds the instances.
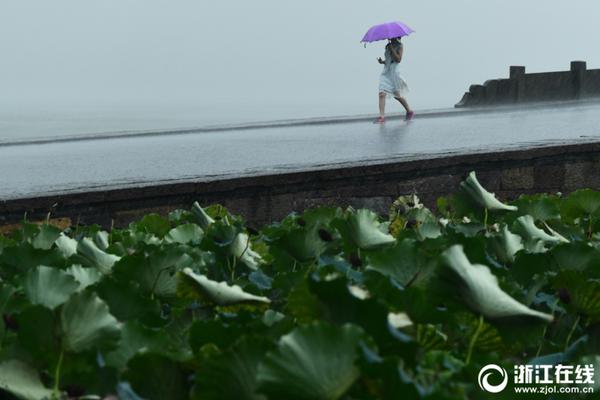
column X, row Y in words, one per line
column 380, row 120
column 409, row 115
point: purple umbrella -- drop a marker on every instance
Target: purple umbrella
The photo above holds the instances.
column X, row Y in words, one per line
column 388, row 30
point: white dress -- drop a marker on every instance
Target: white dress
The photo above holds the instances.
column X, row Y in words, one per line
column 390, row 81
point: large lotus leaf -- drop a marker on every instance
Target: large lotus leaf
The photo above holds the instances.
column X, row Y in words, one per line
column 212, row 292
column 532, row 232
column 102, row 240
column 580, row 293
column 426, row 224
column 402, row 261
column 48, row 286
column 541, row 207
column 577, row 257
column 202, row 218
column 153, row 224
column 22, row 381
column 136, row 338
column 301, row 243
column 480, row 289
column 506, row 245
column 481, row 196
column 156, row 377
column 581, row 203
column 156, row 271
column 36, row 333
column 84, row 276
column 340, row 304
column 314, row 362
column 66, row 245
column 241, row 249
column 232, row 375
column 362, row 229
column 215, row 332
column 46, row 237
column 95, row 257
column 87, row 323
column 128, row 302
column 22, row 257
column 186, row 233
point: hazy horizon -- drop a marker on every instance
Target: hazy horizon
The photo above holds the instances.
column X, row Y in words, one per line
column 278, row 58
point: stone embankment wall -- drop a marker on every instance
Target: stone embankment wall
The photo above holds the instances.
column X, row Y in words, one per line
column 520, row 87
column 549, row 168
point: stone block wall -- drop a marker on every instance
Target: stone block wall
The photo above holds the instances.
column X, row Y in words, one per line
column 520, row 87
column 560, row 167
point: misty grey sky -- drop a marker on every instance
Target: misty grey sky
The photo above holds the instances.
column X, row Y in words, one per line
column 263, row 53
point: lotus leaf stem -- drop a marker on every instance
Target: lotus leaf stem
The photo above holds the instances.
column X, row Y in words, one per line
column 571, row 332
column 56, row 392
column 474, row 340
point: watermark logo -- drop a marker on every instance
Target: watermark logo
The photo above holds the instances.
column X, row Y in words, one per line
column 484, row 375
column 541, row 379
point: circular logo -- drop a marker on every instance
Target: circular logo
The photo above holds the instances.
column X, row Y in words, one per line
column 484, row 375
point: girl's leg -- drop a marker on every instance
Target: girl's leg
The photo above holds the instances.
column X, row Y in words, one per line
column 409, row 113
column 403, row 101
column 382, row 104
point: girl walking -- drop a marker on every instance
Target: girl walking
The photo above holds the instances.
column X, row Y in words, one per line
column 390, row 81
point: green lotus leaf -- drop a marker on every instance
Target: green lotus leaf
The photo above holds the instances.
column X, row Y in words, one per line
column 541, row 207
column 48, row 286
column 506, row 245
column 403, row 262
column 314, row 362
column 302, row 244
column 85, row 276
column 581, row 203
column 480, row 289
column 153, row 224
column 22, row 381
column 101, row 238
column 36, row 334
column 136, row 338
column 186, row 233
column 128, row 302
column 46, row 237
column 155, row 272
column 232, row 374
column 197, row 286
column 426, row 224
column 362, row 229
column 533, row 233
column 577, row 257
column 88, row 250
column 241, row 249
column 66, row 245
column 582, row 294
column 481, row 196
column 87, row 323
column 202, row 218
column 156, row 377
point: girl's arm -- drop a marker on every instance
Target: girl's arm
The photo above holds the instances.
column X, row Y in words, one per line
column 397, row 53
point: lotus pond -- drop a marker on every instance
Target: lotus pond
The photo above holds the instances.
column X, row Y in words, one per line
column 326, row 304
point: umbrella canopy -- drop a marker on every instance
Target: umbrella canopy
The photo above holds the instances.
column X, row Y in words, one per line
column 388, row 30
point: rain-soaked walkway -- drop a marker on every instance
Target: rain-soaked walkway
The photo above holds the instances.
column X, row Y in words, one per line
column 79, row 164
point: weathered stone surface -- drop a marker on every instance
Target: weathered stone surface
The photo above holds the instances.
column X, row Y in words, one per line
column 577, row 83
column 520, row 179
column 563, row 167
